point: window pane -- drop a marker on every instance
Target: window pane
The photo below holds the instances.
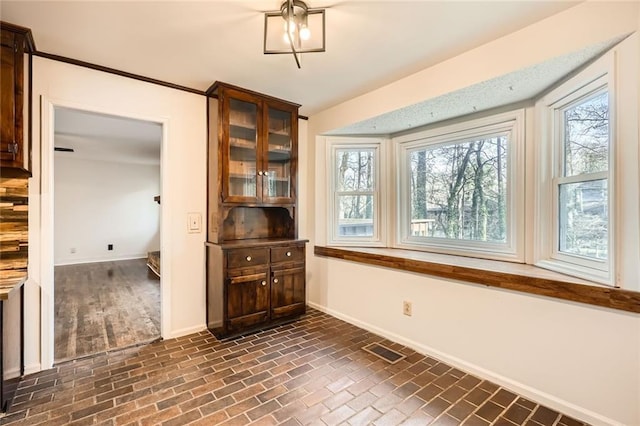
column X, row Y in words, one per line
column 242, row 148
column 279, row 153
column 586, row 144
column 459, row 191
column 584, row 219
column 355, row 170
column 355, row 215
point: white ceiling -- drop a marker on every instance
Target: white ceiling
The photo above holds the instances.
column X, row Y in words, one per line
column 102, row 137
column 369, row 43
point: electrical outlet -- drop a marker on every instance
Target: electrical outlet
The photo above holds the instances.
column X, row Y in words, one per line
column 406, row 308
column 72, row 250
column 109, row 246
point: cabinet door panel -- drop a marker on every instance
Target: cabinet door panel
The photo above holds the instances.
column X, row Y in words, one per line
column 241, row 151
column 279, row 153
column 247, row 300
column 288, row 292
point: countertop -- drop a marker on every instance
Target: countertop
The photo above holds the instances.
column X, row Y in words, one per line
column 8, row 284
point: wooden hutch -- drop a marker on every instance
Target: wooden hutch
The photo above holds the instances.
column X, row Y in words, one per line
column 255, row 263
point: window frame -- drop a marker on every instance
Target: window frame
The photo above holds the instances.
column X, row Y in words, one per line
column 510, row 124
column 595, row 79
column 378, row 239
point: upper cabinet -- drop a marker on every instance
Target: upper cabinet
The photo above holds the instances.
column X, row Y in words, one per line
column 15, row 153
column 253, row 145
column 258, row 142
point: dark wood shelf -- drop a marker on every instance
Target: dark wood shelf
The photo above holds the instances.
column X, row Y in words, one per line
column 505, row 275
column 258, row 242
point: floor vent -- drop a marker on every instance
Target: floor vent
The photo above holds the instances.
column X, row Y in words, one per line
column 384, row 352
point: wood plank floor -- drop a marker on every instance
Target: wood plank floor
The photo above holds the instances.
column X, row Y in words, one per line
column 311, row 372
column 104, row 306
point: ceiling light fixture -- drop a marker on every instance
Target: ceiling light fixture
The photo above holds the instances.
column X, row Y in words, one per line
column 302, row 30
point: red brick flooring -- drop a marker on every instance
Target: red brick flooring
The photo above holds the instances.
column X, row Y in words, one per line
column 312, row 372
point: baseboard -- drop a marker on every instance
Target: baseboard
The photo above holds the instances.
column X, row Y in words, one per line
column 32, row 368
column 536, row 395
column 186, row 331
column 11, row 373
column 28, row 369
column 99, row 259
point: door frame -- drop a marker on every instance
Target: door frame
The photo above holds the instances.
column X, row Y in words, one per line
column 46, row 228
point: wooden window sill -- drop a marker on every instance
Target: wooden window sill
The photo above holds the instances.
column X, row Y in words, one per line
column 492, row 273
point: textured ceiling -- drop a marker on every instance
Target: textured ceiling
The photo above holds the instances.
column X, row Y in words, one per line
column 511, row 88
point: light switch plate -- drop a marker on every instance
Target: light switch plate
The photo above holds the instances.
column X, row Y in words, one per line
column 194, row 223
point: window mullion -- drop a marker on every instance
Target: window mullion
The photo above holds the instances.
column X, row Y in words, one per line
column 586, row 177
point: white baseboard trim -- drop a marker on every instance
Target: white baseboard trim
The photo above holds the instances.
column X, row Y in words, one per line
column 11, row 373
column 99, row 259
column 32, row 368
column 186, row 331
column 536, row 395
column 28, row 369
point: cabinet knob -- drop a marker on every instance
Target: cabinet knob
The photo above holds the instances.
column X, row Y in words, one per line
column 260, row 173
column 288, row 254
column 248, row 258
column 275, row 280
column 263, row 283
column 265, row 173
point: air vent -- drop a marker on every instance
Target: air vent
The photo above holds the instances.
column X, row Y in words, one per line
column 60, row 149
column 384, row 352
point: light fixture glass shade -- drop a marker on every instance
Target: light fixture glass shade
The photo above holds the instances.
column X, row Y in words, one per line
column 306, row 30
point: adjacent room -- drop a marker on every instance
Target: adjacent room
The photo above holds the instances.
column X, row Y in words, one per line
column 287, row 212
column 107, row 232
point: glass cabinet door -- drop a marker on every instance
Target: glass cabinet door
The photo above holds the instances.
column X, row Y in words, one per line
column 277, row 177
column 243, row 160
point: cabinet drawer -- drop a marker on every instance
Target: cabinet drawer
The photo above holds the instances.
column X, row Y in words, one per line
column 244, row 258
column 287, row 254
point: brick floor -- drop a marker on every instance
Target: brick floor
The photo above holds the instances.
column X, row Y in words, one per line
column 311, row 372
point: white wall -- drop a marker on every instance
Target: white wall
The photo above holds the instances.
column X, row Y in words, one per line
column 580, row 359
column 99, row 203
column 183, row 166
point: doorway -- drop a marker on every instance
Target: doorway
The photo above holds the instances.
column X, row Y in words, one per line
column 107, row 185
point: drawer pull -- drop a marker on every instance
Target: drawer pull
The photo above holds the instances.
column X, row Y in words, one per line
column 288, row 254
column 248, row 258
column 275, row 281
column 263, row 283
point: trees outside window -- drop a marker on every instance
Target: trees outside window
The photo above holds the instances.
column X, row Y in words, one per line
column 355, row 191
column 457, row 187
column 578, row 154
column 458, row 190
column 582, row 186
column 354, row 197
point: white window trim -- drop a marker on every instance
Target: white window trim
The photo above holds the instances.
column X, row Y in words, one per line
column 596, row 77
column 379, row 237
column 512, row 124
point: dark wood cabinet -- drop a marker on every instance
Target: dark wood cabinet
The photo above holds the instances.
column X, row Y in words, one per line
column 258, row 145
column 15, row 153
column 255, row 263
